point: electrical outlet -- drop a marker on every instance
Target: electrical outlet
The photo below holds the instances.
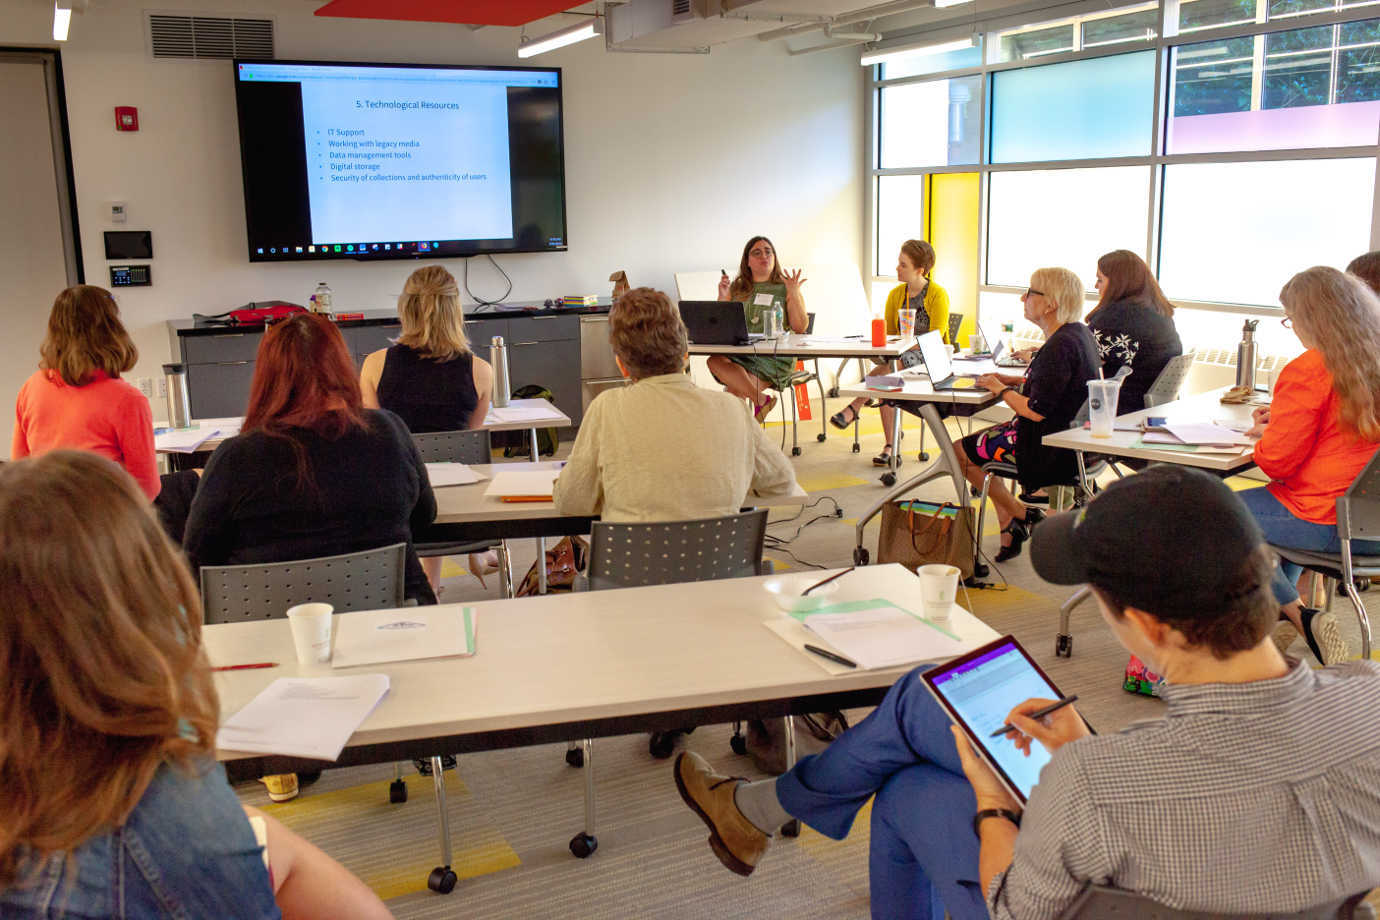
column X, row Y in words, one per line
column 162, row 383
column 145, row 385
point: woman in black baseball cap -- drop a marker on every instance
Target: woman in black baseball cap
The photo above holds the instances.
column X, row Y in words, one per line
column 1254, row 794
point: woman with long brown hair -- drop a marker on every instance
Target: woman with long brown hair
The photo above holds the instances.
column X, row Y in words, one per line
column 111, row 803
column 312, row 472
column 1321, row 429
column 1133, row 323
column 76, row 398
column 762, row 287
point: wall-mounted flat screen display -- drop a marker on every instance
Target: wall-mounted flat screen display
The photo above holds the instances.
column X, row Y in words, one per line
column 390, row 161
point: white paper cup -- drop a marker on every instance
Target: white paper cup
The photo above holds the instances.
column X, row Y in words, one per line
column 1102, row 399
column 938, row 590
column 311, row 632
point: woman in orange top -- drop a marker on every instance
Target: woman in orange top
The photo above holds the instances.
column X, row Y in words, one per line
column 1319, row 432
column 76, row 398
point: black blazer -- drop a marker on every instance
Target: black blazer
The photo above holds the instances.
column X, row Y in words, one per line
column 1057, row 386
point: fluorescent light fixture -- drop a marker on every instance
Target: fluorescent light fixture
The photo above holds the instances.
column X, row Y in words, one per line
column 941, row 4
column 886, row 54
column 62, row 19
column 561, row 38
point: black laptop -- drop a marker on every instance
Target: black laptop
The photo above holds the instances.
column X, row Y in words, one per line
column 716, row 322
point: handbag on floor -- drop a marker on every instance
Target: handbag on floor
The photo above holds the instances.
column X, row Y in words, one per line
column 1140, row 679
column 916, row 533
column 568, row 556
column 766, row 738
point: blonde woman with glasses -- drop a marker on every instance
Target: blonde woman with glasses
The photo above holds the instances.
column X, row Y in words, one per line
column 1045, row 400
column 111, row 802
column 1319, row 431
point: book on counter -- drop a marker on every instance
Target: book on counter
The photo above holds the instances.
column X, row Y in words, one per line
column 580, row 300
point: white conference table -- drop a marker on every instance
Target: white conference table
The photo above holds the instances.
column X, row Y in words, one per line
column 519, row 414
column 581, row 666
column 918, row 389
column 796, row 345
column 465, row 513
column 1202, row 407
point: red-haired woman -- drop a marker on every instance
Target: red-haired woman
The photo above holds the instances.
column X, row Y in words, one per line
column 312, row 472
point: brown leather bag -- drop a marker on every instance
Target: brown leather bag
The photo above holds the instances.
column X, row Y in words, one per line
column 916, row 533
column 568, row 556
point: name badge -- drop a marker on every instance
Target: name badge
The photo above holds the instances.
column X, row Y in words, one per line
column 763, row 300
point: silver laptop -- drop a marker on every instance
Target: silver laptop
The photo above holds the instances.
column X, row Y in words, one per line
column 939, row 363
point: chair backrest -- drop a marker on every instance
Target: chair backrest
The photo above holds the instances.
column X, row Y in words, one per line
column 1358, row 509
column 955, row 324
column 631, row 555
column 371, row 579
column 1170, row 381
column 1101, row 903
column 470, row 446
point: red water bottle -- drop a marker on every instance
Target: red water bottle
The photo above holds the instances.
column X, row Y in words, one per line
column 878, row 333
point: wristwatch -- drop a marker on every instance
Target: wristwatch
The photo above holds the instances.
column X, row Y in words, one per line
column 1013, row 816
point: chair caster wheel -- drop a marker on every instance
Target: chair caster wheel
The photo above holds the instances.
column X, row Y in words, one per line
column 441, row 880
column 857, row 448
column 661, row 745
column 833, row 392
column 860, row 555
column 923, row 456
column 795, row 451
column 397, row 792
column 821, row 437
column 583, row 844
column 575, row 756
column 1063, row 646
column 888, row 479
column 791, row 828
column 980, row 570
column 738, row 743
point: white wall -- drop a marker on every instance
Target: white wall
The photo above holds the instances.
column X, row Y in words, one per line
column 672, row 161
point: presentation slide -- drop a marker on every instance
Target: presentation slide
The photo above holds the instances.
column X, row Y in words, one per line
column 984, row 691
column 382, row 160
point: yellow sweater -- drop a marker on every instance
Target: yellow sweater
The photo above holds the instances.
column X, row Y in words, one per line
column 936, row 305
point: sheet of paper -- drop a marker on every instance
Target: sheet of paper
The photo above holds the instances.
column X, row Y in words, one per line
column 1145, row 442
column 518, row 414
column 452, row 474
column 410, row 634
column 521, row 484
column 885, row 636
column 303, row 716
column 183, row 440
column 228, row 427
column 1206, row 433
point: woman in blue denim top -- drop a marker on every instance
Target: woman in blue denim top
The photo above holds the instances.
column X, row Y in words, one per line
column 111, row 803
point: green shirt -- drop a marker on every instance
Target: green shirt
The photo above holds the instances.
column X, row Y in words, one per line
column 755, row 311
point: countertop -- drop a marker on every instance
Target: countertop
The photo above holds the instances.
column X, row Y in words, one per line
column 184, row 327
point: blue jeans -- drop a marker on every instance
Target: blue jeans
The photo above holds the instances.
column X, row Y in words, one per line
column 924, row 855
column 1282, row 528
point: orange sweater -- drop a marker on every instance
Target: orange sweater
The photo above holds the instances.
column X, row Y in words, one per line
column 1306, row 451
column 106, row 416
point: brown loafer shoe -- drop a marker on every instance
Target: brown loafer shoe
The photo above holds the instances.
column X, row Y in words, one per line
column 733, row 838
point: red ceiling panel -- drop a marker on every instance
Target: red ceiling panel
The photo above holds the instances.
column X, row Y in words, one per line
column 473, row 12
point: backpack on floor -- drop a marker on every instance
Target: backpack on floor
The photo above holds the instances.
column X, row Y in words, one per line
column 517, row 443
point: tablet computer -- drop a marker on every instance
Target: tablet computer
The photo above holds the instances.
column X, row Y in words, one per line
column 978, row 690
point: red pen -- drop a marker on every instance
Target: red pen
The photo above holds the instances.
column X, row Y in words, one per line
column 246, row 667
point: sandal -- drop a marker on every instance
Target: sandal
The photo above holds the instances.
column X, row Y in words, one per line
column 843, row 418
column 884, row 458
column 763, row 410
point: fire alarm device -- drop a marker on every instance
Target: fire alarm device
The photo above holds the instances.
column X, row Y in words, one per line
column 126, row 118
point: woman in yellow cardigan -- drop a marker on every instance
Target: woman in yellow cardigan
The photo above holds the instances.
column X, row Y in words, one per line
column 931, row 305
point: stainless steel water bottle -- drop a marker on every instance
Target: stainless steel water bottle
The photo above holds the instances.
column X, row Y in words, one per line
column 179, row 403
column 498, row 358
column 1245, row 356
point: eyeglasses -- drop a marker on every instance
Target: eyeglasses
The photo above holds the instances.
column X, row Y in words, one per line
column 1287, row 322
column 1029, row 291
column 761, row 253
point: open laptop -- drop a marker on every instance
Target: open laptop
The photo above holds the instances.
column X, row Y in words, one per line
column 992, row 344
column 716, row 322
column 939, row 363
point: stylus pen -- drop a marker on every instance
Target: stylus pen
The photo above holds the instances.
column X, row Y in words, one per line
column 837, row 659
column 1037, row 714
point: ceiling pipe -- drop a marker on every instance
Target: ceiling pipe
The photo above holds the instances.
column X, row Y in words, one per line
column 893, row 8
column 829, row 47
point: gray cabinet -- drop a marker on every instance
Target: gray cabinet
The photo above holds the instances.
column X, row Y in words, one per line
column 542, row 350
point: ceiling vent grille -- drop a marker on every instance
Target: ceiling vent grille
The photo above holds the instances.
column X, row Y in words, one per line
column 174, row 36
